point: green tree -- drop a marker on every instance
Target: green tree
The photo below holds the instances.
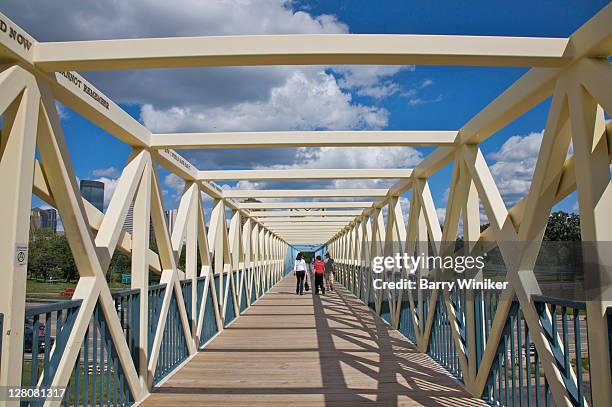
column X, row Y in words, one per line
column 50, row 255
column 61, row 249
column 120, row 264
column 40, row 253
column 563, row 226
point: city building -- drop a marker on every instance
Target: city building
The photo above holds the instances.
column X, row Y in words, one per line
column 170, row 216
column 128, row 223
column 43, row 219
column 93, row 191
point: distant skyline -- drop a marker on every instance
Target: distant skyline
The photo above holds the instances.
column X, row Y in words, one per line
column 44, row 218
column 93, row 191
column 305, row 98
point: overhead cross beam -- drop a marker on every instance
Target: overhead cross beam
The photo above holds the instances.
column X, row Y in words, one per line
column 332, row 219
column 305, row 237
column 321, row 49
column 580, row 76
column 304, row 174
column 307, row 222
column 301, row 227
column 305, row 193
column 303, row 139
column 304, row 214
column 288, row 234
column 304, row 205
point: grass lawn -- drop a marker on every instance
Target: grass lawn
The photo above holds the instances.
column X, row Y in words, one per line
column 34, row 286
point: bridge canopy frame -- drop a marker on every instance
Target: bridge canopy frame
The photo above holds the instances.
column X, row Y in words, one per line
column 247, row 253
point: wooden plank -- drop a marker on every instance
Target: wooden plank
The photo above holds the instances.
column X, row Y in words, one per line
column 310, row 351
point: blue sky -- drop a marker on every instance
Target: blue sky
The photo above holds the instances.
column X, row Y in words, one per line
column 286, row 98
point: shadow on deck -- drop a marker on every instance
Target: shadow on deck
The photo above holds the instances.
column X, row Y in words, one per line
column 310, row 351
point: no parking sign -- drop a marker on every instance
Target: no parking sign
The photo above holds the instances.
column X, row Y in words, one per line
column 21, row 255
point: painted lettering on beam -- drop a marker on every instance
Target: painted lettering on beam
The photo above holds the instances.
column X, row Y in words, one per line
column 13, row 34
column 76, row 81
column 178, row 159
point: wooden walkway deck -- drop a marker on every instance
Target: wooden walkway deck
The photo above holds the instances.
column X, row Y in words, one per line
column 289, row 350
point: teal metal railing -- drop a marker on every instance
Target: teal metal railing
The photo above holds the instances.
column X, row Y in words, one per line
column 127, row 305
column 46, row 331
column 442, row 347
column 243, row 289
column 200, row 281
column 253, row 288
column 155, row 301
column 516, row 377
column 209, row 327
column 98, row 378
column 173, row 349
column 230, row 312
column 101, row 376
column 187, row 297
column 406, row 323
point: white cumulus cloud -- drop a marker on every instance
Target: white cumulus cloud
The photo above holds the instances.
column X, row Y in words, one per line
column 513, row 165
column 111, row 172
column 306, row 101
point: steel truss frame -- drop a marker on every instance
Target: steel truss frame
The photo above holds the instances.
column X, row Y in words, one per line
column 575, row 71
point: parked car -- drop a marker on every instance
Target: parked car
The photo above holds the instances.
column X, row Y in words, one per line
column 68, row 292
column 28, row 336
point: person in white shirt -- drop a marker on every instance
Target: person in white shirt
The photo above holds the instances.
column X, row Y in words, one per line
column 300, row 269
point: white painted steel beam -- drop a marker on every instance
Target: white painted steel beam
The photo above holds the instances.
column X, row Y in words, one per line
column 304, row 214
column 305, row 223
column 330, row 225
column 272, row 220
column 302, row 232
column 305, row 193
column 305, row 174
column 580, row 77
column 305, row 237
column 322, row 49
column 304, row 205
column 298, row 227
column 389, row 138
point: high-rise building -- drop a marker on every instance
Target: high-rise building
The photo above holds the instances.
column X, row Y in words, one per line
column 128, row 223
column 93, row 191
column 170, row 216
column 44, row 219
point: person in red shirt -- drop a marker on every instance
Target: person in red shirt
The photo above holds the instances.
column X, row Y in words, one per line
column 319, row 269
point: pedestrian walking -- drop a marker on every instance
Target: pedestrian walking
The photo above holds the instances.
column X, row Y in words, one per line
column 319, row 269
column 299, row 269
column 330, row 269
